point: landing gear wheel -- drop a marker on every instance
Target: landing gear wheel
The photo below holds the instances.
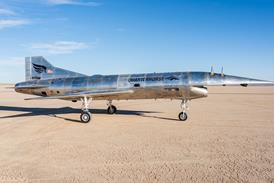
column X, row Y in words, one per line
column 183, row 116
column 85, row 117
column 112, row 109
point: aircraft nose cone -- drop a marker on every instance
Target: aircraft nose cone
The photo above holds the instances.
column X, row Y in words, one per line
column 247, row 81
column 260, row 82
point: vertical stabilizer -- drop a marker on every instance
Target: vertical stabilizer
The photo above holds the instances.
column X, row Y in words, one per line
column 39, row 68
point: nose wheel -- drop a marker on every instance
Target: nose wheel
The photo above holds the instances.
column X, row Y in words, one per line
column 111, row 108
column 183, row 115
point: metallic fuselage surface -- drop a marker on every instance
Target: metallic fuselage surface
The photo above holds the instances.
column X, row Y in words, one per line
column 188, row 85
column 145, row 86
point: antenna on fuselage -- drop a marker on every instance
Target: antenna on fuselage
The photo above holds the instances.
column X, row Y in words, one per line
column 222, row 72
column 212, row 71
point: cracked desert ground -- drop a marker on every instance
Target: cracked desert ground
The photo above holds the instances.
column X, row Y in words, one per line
column 229, row 137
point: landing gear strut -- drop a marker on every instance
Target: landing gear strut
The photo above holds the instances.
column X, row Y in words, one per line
column 85, row 115
column 111, row 108
column 185, row 107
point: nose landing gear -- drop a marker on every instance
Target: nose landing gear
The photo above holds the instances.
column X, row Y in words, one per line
column 183, row 115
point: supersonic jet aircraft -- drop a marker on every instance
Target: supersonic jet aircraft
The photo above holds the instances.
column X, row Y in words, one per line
column 49, row 82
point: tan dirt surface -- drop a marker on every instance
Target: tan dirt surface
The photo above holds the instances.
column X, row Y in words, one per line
column 229, row 137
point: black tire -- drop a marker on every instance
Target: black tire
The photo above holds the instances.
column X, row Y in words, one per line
column 183, row 116
column 112, row 110
column 85, row 117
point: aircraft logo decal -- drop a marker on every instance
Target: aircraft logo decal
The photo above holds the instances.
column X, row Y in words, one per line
column 143, row 79
column 39, row 68
column 172, row 78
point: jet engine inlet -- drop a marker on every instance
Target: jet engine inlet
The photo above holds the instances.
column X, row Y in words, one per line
column 199, row 92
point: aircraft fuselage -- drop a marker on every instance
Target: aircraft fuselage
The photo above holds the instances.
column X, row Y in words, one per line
column 50, row 82
column 145, row 86
column 188, row 85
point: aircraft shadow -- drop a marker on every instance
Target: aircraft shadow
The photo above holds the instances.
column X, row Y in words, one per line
column 53, row 112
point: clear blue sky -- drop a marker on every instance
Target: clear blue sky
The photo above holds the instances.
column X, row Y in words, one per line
column 136, row 36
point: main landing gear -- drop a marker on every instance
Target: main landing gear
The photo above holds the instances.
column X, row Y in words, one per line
column 185, row 107
column 111, row 108
column 85, row 115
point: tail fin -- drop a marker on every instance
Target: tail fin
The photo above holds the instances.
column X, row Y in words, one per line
column 39, row 68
